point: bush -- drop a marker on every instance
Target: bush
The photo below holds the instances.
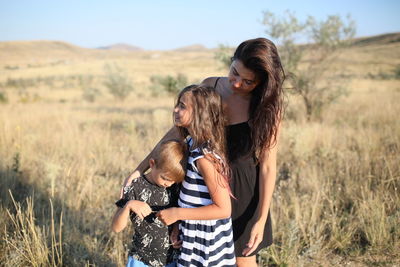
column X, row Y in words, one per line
column 168, row 84
column 90, row 94
column 3, row 98
column 118, row 84
column 224, row 55
column 394, row 74
column 397, row 72
column 7, row 67
column 326, row 39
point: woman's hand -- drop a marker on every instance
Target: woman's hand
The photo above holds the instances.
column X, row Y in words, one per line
column 168, row 216
column 128, row 180
column 142, row 209
column 256, row 236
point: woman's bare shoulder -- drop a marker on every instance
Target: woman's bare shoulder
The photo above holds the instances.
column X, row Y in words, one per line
column 210, row 81
column 219, row 83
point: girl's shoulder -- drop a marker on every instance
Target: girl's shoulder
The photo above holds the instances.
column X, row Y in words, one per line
column 195, row 154
column 201, row 151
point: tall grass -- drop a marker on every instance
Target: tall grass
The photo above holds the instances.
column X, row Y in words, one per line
column 26, row 244
column 337, row 197
column 336, row 201
column 76, row 156
column 338, row 189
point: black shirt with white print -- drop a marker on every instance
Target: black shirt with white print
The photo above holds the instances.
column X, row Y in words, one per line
column 150, row 243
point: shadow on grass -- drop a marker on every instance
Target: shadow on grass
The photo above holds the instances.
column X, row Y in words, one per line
column 83, row 243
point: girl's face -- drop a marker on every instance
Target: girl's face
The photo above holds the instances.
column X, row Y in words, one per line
column 183, row 111
column 242, row 80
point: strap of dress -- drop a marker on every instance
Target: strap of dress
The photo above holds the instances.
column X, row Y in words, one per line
column 216, row 82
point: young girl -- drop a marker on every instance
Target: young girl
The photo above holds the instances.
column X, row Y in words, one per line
column 204, row 199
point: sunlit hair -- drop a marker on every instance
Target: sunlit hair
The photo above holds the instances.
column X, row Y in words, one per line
column 171, row 158
column 207, row 125
column 266, row 106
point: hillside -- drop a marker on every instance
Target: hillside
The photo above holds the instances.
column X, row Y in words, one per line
column 195, row 47
column 378, row 39
column 53, row 51
column 39, row 50
column 121, row 47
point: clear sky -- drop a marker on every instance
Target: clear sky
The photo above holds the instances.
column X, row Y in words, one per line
column 169, row 24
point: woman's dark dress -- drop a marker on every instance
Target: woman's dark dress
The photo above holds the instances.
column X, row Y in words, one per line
column 245, row 188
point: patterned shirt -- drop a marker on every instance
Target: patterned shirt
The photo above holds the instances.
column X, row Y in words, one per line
column 150, row 243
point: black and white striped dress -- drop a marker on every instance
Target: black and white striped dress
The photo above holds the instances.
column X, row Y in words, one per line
column 205, row 242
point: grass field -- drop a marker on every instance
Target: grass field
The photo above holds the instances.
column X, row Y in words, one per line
column 62, row 159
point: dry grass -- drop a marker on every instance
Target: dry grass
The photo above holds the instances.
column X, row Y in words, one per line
column 337, row 198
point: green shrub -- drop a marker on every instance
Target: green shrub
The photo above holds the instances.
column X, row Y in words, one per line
column 397, row 72
column 3, row 98
column 224, row 55
column 7, row 67
column 90, row 94
column 326, row 39
column 118, row 84
column 168, row 84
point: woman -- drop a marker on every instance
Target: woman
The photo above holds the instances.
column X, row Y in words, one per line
column 252, row 97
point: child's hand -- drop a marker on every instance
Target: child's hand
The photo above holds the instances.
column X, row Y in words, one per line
column 168, row 216
column 174, row 236
column 142, row 209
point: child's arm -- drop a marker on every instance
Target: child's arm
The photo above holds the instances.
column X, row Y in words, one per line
column 143, row 166
column 219, row 192
column 121, row 216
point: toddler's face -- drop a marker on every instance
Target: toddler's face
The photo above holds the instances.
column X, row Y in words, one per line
column 183, row 111
column 160, row 179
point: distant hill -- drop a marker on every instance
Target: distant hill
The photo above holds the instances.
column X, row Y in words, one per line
column 120, row 46
column 35, row 50
column 195, row 47
column 54, row 51
column 378, row 39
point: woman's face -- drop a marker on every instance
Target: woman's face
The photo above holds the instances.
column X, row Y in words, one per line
column 242, row 80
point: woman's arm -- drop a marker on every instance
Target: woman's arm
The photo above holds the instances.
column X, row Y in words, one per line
column 267, row 178
column 143, row 166
column 219, row 192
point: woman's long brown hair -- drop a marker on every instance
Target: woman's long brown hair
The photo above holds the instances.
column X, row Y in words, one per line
column 266, row 105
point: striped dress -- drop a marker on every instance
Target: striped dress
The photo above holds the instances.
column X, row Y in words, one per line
column 205, row 242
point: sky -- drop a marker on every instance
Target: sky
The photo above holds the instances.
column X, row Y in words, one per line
column 170, row 24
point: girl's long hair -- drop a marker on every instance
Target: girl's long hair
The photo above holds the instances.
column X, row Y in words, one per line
column 207, row 126
column 260, row 55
